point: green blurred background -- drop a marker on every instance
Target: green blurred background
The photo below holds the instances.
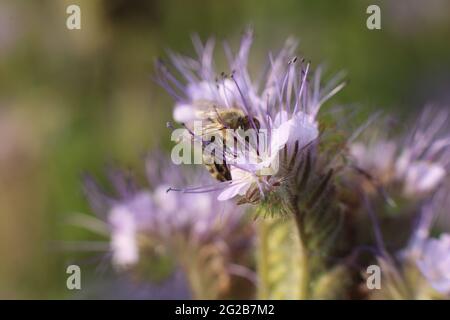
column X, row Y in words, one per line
column 72, row 101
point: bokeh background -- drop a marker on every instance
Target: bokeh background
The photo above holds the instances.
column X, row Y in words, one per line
column 74, row 101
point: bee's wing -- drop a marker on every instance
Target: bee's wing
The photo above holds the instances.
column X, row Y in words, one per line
column 207, row 109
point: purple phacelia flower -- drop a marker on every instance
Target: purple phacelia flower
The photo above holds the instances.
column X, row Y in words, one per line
column 172, row 219
column 126, row 220
column 434, row 262
column 283, row 105
column 418, row 162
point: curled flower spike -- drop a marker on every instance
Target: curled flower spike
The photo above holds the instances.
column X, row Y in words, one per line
column 281, row 113
column 197, row 218
column 126, row 220
column 430, row 255
column 202, row 235
column 425, row 162
column 197, row 230
column 423, row 265
column 418, row 162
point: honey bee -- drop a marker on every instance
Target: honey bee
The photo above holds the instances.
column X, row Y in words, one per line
column 220, row 119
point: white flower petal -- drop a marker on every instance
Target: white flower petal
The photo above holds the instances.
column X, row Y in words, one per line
column 184, row 113
column 423, row 177
column 167, row 201
column 280, row 118
column 242, row 180
column 303, row 130
column 435, row 263
column 123, row 237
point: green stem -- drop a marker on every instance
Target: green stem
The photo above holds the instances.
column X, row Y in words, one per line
column 304, row 260
column 263, row 263
column 195, row 275
column 283, row 262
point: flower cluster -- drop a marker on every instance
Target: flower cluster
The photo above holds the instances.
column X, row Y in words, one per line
column 283, row 106
column 330, row 201
column 193, row 229
column 421, row 270
column 403, row 176
column 434, row 263
column 418, row 162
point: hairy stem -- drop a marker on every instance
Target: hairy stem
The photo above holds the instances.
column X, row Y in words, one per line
column 193, row 275
column 197, row 275
column 263, row 263
column 304, row 259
